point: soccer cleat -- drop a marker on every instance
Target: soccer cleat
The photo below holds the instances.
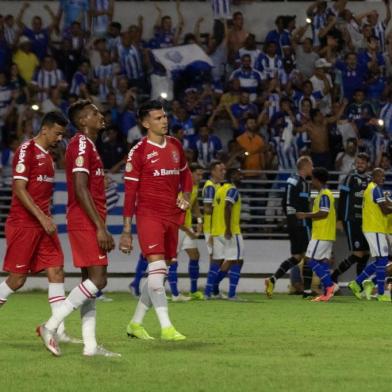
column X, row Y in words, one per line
column 99, row 350
column 171, row 334
column 269, row 288
column 384, row 298
column 135, row 330
column 197, row 295
column 219, row 296
column 329, row 292
column 134, row 290
column 49, row 339
column 355, row 288
column 180, row 298
column 64, row 338
column 320, row 298
column 368, row 287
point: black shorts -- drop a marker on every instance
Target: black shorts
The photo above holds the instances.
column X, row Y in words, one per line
column 355, row 238
column 299, row 236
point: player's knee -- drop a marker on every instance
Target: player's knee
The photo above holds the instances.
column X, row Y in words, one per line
column 15, row 282
column 100, row 282
column 56, row 275
column 156, row 282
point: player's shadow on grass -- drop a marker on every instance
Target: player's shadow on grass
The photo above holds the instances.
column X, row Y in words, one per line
column 184, row 346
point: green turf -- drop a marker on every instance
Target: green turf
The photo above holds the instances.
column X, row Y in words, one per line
column 283, row 344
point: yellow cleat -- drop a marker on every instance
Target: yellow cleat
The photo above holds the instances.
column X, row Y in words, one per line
column 171, row 334
column 135, row 330
column 269, row 288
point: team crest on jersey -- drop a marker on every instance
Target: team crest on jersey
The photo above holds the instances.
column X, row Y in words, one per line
column 79, row 161
column 128, row 167
column 175, row 157
column 20, row 168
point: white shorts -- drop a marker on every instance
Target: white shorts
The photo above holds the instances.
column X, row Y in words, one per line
column 232, row 249
column 207, row 239
column 378, row 244
column 185, row 242
column 319, row 249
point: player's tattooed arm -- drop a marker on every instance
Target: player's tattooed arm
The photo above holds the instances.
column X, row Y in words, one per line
column 83, row 196
column 20, row 189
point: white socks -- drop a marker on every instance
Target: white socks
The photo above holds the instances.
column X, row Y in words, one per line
column 5, row 292
column 143, row 305
column 56, row 296
column 156, row 289
column 80, row 294
column 88, row 314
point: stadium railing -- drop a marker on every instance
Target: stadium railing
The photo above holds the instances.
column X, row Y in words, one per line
column 261, row 192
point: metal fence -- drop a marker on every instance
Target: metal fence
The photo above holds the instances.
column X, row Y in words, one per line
column 261, row 193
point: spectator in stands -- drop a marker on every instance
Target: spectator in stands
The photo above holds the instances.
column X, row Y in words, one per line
column 77, row 36
column 208, row 146
column 379, row 27
column 250, row 79
column 73, row 11
column 38, row 35
column 111, row 149
column 182, row 118
column 11, row 31
column 46, row 77
column 19, row 86
column 101, row 15
column 105, row 74
column 67, row 59
column 322, row 86
column 249, row 48
column 280, row 36
column 128, row 119
column 7, row 101
column 317, row 130
column 386, row 114
column 178, row 133
column 25, row 59
column 253, row 148
column 80, row 79
column 164, row 34
column 268, row 62
column 242, row 110
column 353, row 74
column 345, row 160
column 53, row 101
column 131, row 61
column 237, row 36
column 359, row 110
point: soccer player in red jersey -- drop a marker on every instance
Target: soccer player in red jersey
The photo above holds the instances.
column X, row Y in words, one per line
column 155, row 173
column 89, row 238
column 32, row 241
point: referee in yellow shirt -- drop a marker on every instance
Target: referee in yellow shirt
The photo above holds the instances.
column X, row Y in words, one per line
column 323, row 218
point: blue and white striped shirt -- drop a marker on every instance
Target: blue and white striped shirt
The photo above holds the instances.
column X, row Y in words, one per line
column 379, row 32
column 104, row 73
column 269, row 66
column 47, row 79
column 221, row 9
column 287, row 155
column 386, row 116
column 131, row 61
column 78, row 80
column 250, row 81
column 101, row 22
column 318, row 22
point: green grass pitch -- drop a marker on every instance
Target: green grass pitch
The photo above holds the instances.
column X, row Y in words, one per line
column 283, row 344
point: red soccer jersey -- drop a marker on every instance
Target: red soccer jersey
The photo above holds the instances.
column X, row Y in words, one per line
column 33, row 164
column 82, row 156
column 157, row 169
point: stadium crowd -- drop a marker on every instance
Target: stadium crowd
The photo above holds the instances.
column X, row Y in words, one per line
column 319, row 88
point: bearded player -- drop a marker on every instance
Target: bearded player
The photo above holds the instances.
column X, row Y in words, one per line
column 32, row 241
column 156, row 173
column 86, row 223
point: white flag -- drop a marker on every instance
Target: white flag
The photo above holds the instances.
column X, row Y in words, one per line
column 179, row 57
